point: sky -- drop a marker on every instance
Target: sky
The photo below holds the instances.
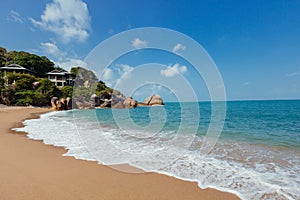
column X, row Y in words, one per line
column 255, row 45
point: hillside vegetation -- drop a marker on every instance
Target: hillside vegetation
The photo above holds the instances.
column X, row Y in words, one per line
column 25, row 89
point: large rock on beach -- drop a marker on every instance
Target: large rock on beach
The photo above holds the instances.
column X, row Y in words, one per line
column 153, row 100
column 61, row 104
column 129, row 102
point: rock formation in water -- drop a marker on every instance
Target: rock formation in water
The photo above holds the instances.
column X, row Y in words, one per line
column 152, row 100
column 105, row 100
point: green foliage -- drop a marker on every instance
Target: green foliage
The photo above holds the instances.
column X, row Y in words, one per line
column 21, row 90
column 3, row 56
column 82, row 93
column 22, row 82
column 102, row 88
column 48, row 88
column 67, row 91
column 86, row 83
column 74, row 71
column 8, row 95
column 38, row 64
column 30, row 97
column 1, row 81
column 84, row 74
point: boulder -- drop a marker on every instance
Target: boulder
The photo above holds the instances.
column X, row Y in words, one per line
column 106, row 104
column 61, row 104
column 53, row 102
column 129, row 102
column 69, row 103
column 118, row 105
column 117, row 99
column 153, row 100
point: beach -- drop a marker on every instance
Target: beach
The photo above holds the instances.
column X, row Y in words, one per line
column 29, row 169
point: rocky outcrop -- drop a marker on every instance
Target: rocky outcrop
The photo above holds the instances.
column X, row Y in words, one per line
column 105, row 100
column 153, row 100
column 110, row 100
column 129, row 102
column 114, row 100
column 61, row 104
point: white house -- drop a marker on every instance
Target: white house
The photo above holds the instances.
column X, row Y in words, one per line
column 61, row 78
column 14, row 68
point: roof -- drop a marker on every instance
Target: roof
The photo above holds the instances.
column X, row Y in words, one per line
column 15, row 67
column 58, row 72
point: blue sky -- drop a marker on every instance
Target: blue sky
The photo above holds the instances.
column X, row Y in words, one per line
column 255, row 44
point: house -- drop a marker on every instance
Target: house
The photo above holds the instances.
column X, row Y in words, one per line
column 14, row 68
column 61, row 78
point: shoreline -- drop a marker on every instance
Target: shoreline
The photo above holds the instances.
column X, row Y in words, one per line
column 34, row 170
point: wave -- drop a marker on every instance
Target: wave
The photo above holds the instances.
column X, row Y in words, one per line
column 251, row 171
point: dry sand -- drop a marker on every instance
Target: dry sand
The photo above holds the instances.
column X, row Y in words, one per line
column 32, row 170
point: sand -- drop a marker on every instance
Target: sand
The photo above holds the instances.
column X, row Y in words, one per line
column 32, row 170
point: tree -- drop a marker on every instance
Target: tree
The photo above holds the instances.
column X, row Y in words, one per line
column 38, row 64
column 30, row 97
column 85, row 74
column 1, row 80
column 48, row 89
column 22, row 82
column 67, row 91
column 3, row 56
column 102, row 88
column 8, row 95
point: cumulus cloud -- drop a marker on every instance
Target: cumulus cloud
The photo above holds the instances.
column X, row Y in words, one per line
column 15, row 16
column 124, row 71
column 174, row 70
column 108, row 75
column 68, row 19
column 68, row 63
column 245, row 84
column 293, row 74
column 59, row 57
column 137, row 43
column 51, row 49
column 178, row 48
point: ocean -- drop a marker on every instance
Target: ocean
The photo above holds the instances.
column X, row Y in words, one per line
column 256, row 155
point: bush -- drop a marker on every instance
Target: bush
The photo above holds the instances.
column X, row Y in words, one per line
column 48, row 89
column 31, row 98
column 22, row 82
column 67, row 91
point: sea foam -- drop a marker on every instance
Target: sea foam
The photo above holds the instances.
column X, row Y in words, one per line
column 252, row 171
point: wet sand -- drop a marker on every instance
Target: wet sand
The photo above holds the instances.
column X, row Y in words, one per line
column 32, row 170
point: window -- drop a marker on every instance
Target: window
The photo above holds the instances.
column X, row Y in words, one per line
column 59, row 84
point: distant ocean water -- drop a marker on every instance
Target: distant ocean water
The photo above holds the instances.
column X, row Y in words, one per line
column 256, row 157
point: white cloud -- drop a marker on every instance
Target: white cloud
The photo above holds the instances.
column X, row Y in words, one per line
column 124, row 72
column 245, row 84
column 68, row 63
column 174, row 70
column 69, row 19
column 138, row 43
column 108, row 75
column 178, row 47
column 293, row 74
column 15, row 16
column 123, row 68
column 51, row 49
column 59, row 57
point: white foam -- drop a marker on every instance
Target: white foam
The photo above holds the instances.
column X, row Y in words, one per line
column 251, row 172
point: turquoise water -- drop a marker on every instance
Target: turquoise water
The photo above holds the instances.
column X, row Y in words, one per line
column 262, row 122
column 256, row 155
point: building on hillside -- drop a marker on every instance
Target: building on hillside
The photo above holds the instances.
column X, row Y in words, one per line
column 61, row 78
column 15, row 68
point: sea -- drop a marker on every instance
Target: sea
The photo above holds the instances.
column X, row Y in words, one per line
column 252, row 149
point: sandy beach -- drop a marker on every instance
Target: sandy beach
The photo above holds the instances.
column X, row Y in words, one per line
column 32, row 170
